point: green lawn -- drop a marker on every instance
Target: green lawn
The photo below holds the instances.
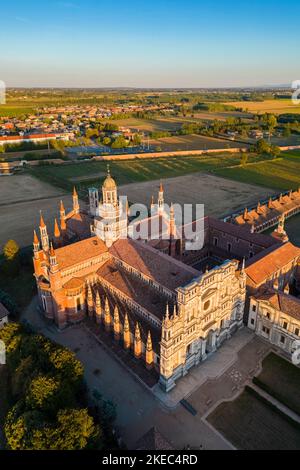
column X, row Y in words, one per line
column 281, row 379
column 129, row 171
column 15, row 111
column 282, row 173
column 249, row 423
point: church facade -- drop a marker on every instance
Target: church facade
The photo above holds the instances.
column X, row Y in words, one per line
column 169, row 306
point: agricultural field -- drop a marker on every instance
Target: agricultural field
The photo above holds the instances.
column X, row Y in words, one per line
column 268, row 106
column 287, row 388
column 193, row 142
column 150, row 125
column 15, row 111
column 282, row 173
column 219, row 196
column 251, row 424
column 130, row 171
column 21, row 199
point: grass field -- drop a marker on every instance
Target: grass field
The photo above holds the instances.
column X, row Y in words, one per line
column 250, row 424
column 15, row 111
column 150, row 125
column 129, row 171
column 287, row 388
column 192, row 142
column 267, row 106
column 282, row 173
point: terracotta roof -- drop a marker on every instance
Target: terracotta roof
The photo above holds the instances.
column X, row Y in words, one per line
column 273, row 209
column 79, row 252
column 286, row 303
column 3, row 311
column 269, row 263
column 134, row 288
column 79, row 224
column 74, row 283
column 159, row 267
column 27, row 137
column 153, row 440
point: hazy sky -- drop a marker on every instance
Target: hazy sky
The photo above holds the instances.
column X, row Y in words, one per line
column 159, row 43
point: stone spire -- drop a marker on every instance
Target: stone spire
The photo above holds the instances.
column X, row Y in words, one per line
column 286, row 289
column 172, row 225
column 76, row 207
column 137, row 342
column 36, row 243
column 126, row 333
column 280, row 233
column 44, row 234
column 90, row 301
column 167, row 317
column 161, row 200
column 62, row 212
column 117, row 326
column 56, row 230
column 98, row 309
column 149, row 352
column 107, row 317
column 258, row 207
column 152, row 205
column 53, row 260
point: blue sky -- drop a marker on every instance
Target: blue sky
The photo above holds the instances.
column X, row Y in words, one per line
column 163, row 43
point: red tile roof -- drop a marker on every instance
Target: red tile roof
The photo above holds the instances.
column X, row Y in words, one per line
column 268, row 264
column 79, row 252
column 287, row 304
column 159, row 267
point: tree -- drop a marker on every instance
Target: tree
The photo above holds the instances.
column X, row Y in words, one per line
column 42, row 393
column 244, row 159
column 274, row 151
column 11, row 250
column 106, row 141
column 119, row 143
column 262, row 147
column 137, row 140
column 75, row 429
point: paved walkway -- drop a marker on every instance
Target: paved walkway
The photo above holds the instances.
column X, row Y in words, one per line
column 212, row 368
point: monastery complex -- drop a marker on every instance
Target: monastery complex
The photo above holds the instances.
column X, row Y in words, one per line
column 169, row 306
